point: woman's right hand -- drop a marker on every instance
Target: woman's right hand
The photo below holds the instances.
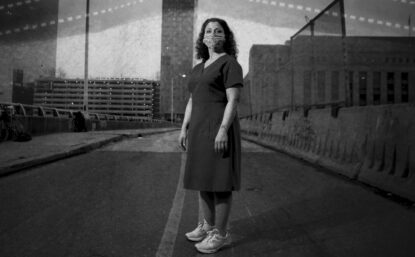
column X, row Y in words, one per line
column 183, row 139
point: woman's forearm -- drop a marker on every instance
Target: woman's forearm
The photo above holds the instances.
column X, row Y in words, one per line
column 229, row 114
column 187, row 114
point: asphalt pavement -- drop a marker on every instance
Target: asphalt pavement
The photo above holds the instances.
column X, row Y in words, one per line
column 126, row 199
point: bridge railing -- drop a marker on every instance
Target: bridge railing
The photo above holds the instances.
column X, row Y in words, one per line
column 41, row 111
column 38, row 120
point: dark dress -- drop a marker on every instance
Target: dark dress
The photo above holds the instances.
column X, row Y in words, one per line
column 206, row 170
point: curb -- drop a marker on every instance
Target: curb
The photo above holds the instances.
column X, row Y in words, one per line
column 48, row 158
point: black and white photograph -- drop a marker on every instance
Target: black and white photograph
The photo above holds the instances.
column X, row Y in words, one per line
column 224, row 128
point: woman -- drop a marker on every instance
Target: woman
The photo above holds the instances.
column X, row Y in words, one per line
column 211, row 133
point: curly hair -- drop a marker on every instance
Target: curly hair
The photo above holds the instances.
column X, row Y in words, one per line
column 230, row 47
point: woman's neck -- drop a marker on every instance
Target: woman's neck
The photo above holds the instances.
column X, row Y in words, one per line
column 214, row 55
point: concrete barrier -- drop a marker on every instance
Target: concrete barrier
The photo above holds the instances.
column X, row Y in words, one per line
column 373, row 144
column 389, row 161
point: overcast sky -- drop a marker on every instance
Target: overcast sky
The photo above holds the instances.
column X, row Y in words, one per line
column 125, row 36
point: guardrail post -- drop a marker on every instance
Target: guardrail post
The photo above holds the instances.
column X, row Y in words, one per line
column 55, row 113
column 22, row 109
column 41, row 111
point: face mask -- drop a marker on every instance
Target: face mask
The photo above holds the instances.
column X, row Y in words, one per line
column 214, row 41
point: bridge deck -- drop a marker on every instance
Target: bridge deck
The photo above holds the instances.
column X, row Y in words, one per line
column 125, row 199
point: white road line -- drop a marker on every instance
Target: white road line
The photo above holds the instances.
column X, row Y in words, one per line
column 168, row 239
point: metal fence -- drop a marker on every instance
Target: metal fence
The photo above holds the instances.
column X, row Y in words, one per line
column 317, row 60
column 40, row 111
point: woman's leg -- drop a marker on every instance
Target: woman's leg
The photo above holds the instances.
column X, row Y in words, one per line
column 223, row 202
column 207, row 202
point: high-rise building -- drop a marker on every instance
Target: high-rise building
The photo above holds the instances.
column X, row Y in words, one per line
column 122, row 96
column 176, row 55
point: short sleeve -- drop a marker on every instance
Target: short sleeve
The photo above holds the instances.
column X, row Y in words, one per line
column 232, row 74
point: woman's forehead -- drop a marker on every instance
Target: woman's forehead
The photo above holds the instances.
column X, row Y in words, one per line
column 213, row 25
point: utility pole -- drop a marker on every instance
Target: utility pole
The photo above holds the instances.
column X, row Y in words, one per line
column 85, row 98
column 172, row 105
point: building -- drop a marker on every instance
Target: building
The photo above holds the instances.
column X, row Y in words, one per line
column 27, row 46
column 265, row 65
column 244, row 106
column 127, row 97
column 176, row 55
column 327, row 70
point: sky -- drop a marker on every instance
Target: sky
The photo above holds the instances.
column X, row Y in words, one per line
column 125, row 35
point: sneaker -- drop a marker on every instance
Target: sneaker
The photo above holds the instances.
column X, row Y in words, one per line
column 199, row 233
column 213, row 242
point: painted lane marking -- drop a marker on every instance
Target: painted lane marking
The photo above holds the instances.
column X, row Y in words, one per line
column 168, row 239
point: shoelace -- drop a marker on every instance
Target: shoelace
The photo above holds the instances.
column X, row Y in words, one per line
column 211, row 235
column 200, row 225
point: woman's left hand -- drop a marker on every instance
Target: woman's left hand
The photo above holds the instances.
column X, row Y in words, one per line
column 221, row 141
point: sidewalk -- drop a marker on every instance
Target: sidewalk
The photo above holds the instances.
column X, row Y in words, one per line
column 15, row 156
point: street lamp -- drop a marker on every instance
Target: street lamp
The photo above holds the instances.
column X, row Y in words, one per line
column 172, row 93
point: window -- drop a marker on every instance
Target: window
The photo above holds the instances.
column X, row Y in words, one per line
column 376, row 88
column 321, row 86
column 390, row 87
column 404, row 86
column 307, row 87
column 362, row 88
column 351, row 87
column 335, row 79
